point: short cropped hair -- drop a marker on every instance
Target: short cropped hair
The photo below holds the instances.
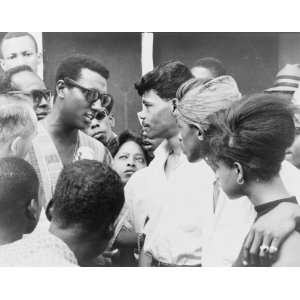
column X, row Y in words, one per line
column 11, row 35
column 255, row 131
column 165, row 79
column 17, row 118
column 214, row 65
column 18, row 185
column 89, row 194
column 127, row 136
column 6, row 80
column 71, row 67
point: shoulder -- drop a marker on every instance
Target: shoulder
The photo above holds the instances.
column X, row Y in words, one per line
column 101, row 153
column 289, row 252
column 290, row 176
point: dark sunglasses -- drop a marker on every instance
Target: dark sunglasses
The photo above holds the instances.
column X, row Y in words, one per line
column 100, row 115
column 91, row 95
column 36, row 95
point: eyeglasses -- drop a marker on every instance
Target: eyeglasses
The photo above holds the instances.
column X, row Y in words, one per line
column 100, row 115
column 36, row 95
column 91, row 95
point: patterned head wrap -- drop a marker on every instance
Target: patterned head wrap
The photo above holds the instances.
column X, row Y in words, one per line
column 198, row 99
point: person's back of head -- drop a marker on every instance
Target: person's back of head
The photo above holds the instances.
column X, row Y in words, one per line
column 207, row 68
column 6, row 83
column 18, row 126
column 19, row 208
column 87, row 200
column 164, row 79
column 255, row 132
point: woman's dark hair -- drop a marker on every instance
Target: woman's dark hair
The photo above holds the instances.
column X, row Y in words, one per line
column 127, row 136
column 255, row 131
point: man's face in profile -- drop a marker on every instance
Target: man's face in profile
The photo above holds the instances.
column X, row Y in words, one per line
column 19, row 51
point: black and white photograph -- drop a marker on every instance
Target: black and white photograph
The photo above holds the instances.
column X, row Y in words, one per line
column 149, row 152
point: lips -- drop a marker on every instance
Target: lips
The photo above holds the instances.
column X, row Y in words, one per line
column 129, row 172
column 41, row 116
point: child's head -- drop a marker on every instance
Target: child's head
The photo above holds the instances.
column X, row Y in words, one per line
column 87, row 200
column 19, row 207
column 248, row 141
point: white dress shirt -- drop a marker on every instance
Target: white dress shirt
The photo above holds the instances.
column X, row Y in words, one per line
column 177, row 207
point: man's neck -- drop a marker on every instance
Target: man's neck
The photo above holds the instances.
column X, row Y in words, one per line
column 69, row 237
column 173, row 145
column 58, row 129
column 9, row 236
column 264, row 192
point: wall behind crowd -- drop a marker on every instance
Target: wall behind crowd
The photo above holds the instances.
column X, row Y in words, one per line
column 252, row 58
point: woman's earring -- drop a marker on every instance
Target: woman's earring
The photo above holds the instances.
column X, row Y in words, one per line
column 240, row 181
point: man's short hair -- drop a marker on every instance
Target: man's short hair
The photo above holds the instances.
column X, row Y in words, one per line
column 17, row 118
column 18, row 186
column 11, row 35
column 214, row 65
column 88, row 194
column 71, row 67
column 6, row 82
column 165, row 79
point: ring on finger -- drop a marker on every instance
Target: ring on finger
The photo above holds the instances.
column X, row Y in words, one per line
column 264, row 248
column 273, row 249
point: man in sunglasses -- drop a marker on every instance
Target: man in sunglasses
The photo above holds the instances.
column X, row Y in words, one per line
column 81, row 84
column 101, row 127
column 23, row 81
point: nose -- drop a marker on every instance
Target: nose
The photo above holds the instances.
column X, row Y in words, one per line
column 131, row 162
column 43, row 103
column 95, row 125
column 180, row 137
column 96, row 105
column 20, row 60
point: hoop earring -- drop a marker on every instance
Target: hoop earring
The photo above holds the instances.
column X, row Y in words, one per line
column 240, row 181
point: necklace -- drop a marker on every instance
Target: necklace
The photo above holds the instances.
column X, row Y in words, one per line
column 76, row 148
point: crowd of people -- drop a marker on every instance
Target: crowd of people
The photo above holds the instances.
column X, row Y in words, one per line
column 210, row 179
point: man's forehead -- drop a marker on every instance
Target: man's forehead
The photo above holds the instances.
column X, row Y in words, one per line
column 18, row 45
column 27, row 81
column 91, row 79
column 150, row 96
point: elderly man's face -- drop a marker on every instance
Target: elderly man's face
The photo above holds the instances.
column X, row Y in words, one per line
column 19, row 51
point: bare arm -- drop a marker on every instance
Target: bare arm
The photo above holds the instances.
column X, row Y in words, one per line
column 289, row 254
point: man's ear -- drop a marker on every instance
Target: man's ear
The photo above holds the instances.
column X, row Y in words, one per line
column 16, row 146
column 112, row 119
column 39, row 57
column 200, row 135
column 2, row 63
column 174, row 104
column 240, row 173
column 60, row 85
column 33, row 212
